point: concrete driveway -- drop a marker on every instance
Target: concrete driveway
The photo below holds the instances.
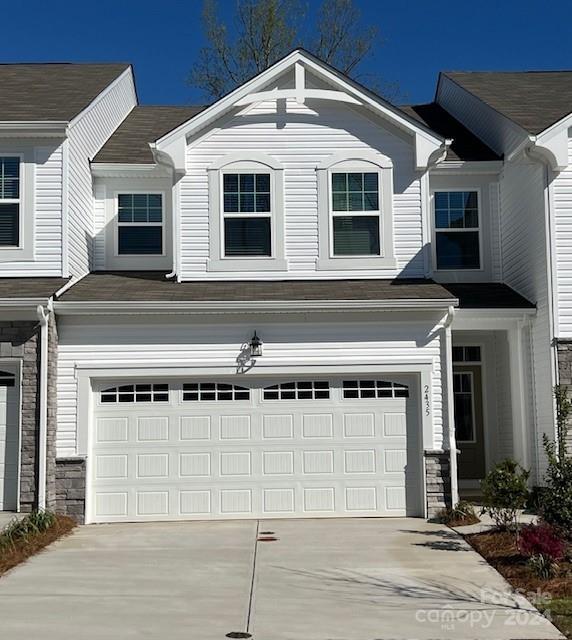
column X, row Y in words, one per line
column 358, row 579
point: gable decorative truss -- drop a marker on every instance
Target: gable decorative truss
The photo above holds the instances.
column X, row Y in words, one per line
column 429, row 147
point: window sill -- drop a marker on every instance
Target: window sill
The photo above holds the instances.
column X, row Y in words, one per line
column 247, row 264
column 325, row 264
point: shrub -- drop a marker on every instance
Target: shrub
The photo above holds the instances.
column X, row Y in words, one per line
column 544, row 548
column 505, row 492
column 462, row 514
column 556, row 504
column 21, row 529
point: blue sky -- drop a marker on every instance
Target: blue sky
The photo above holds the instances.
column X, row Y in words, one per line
column 161, row 39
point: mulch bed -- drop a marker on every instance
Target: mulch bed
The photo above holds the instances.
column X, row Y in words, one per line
column 500, row 550
column 25, row 548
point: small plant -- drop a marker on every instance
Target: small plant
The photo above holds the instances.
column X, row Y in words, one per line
column 544, row 548
column 505, row 492
column 556, row 504
column 463, row 513
column 21, row 529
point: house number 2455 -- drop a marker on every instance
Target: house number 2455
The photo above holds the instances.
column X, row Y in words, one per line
column 426, row 400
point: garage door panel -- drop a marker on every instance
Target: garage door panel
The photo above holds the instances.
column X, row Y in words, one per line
column 254, row 457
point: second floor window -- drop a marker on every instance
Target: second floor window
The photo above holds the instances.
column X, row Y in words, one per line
column 457, row 230
column 140, row 224
column 9, row 201
column 356, row 215
column 247, row 215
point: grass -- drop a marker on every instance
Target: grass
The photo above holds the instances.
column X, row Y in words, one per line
column 23, row 538
column 555, row 594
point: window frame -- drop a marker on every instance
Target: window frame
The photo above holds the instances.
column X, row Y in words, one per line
column 363, row 162
column 473, row 407
column 117, row 225
column 25, row 249
column 435, row 231
column 247, row 163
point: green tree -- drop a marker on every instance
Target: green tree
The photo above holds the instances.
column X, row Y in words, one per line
column 263, row 31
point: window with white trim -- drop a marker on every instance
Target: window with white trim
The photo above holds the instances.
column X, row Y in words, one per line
column 9, row 201
column 356, row 214
column 457, row 230
column 464, row 402
column 127, row 393
column 466, row 354
column 140, row 224
column 214, row 392
column 247, row 215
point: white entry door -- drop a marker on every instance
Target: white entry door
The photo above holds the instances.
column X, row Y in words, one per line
column 9, row 437
column 203, row 449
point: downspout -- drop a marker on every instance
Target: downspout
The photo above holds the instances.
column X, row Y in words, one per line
column 453, row 452
column 175, row 231
column 43, row 407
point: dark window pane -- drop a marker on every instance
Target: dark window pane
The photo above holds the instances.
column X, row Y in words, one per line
column 370, row 182
column 108, row 398
column 351, row 393
column 371, row 202
column 340, row 201
column 322, row 394
column 140, row 201
column 125, row 200
column 9, row 225
column 244, row 395
column 247, row 202
column 262, row 202
column 442, row 218
column 356, row 201
column 161, row 397
column 322, row 384
column 456, row 199
column 140, row 240
column 456, row 219
column 140, row 214
column 304, row 395
column 464, row 427
column 270, row 395
column 155, row 215
column 247, row 237
column 339, row 182
column 160, row 387
column 246, row 182
column 350, row 384
column 458, row 250
column 458, row 354
column 473, row 354
column 231, row 202
column 126, row 387
column 155, row 200
column 355, row 236
column 288, row 395
column 441, row 200
column 355, row 182
column 143, row 397
column 9, row 177
column 470, row 199
column 230, row 181
column 263, row 182
column 125, row 215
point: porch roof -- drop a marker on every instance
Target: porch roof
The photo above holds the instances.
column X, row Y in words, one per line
column 18, row 289
column 152, row 286
column 487, row 295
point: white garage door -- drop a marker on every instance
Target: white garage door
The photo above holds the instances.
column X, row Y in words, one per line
column 200, row 449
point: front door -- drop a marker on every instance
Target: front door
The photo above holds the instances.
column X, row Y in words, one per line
column 9, row 438
column 468, row 395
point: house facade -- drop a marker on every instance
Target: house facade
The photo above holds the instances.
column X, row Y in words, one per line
column 300, row 301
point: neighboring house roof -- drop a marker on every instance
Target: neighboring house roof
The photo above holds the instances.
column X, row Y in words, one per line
column 129, row 144
column 151, row 286
column 487, row 295
column 465, row 146
column 18, row 288
column 534, row 100
column 52, row 91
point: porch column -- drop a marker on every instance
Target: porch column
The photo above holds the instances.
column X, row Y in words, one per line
column 516, row 344
column 450, row 403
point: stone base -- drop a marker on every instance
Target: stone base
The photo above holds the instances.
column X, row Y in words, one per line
column 70, row 488
column 438, row 482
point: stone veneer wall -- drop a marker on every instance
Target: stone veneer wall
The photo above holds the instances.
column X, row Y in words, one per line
column 564, row 348
column 438, row 481
column 70, row 487
column 20, row 339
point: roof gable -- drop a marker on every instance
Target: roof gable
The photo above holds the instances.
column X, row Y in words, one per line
column 53, row 91
column 264, row 87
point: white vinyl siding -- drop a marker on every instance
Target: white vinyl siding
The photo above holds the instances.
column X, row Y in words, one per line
column 115, row 343
column 562, row 205
column 300, row 146
column 87, row 134
column 46, row 215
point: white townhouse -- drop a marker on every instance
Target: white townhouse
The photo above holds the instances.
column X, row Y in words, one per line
column 299, row 301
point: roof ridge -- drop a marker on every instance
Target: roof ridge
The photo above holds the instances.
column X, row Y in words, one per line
column 64, row 63
column 502, row 71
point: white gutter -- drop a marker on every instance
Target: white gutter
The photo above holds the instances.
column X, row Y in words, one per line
column 245, row 306
column 62, row 290
column 453, row 451
column 175, row 232
column 43, row 407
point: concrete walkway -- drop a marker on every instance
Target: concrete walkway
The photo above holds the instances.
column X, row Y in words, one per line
column 355, row 579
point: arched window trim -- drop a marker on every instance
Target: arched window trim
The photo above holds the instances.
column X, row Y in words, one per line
column 358, row 161
column 243, row 163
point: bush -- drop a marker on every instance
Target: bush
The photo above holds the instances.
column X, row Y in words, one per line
column 22, row 529
column 460, row 515
column 544, row 548
column 556, row 504
column 505, row 492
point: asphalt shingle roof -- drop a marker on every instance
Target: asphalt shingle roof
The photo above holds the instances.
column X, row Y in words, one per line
column 466, row 145
column 122, row 286
column 52, row 92
column 130, row 142
column 14, row 288
column 534, row 100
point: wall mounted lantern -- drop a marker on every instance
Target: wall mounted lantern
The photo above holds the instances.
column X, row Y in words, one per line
column 255, row 346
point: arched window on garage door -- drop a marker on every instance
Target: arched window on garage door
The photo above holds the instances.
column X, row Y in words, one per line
column 362, row 389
